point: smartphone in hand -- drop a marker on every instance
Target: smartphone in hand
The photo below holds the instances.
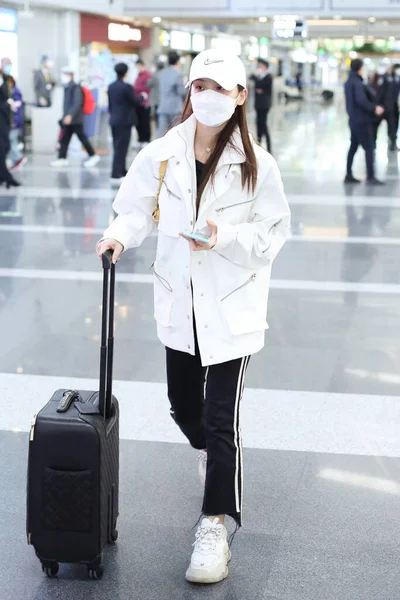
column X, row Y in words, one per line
column 197, row 237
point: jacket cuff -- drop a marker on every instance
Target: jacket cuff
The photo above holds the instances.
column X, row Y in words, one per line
column 116, row 233
column 226, row 234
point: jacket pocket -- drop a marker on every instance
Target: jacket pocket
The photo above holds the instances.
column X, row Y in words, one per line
column 244, row 308
column 224, row 208
column 163, row 298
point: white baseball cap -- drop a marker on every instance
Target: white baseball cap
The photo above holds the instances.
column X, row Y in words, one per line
column 225, row 68
column 68, row 70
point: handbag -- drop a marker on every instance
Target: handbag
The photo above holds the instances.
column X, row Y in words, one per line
column 163, row 170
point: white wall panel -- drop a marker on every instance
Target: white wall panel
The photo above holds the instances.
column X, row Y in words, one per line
column 372, row 6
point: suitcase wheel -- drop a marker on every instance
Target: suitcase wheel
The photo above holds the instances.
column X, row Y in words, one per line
column 50, row 568
column 113, row 536
column 96, row 570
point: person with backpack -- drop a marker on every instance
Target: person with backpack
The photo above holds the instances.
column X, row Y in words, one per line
column 222, row 217
column 72, row 120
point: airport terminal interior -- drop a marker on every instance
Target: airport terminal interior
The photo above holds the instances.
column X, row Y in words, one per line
column 320, row 414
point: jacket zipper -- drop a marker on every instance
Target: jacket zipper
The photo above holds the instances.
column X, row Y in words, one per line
column 220, row 210
column 163, row 281
column 252, row 278
column 32, row 431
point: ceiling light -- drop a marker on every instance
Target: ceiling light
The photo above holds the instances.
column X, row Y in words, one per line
column 263, row 19
column 337, row 17
column 372, row 19
column 392, row 38
column 156, row 19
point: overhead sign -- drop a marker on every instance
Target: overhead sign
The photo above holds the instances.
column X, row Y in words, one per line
column 289, row 28
column 123, row 33
column 8, row 20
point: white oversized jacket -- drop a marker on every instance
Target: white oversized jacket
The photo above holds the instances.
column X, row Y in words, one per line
column 231, row 281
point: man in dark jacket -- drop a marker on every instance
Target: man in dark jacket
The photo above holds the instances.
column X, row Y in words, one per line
column 263, row 99
column 122, row 105
column 72, row 121
column 385, row 94
column 361, row 109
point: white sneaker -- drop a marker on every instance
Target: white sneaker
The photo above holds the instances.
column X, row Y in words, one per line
column 91, row 162
column 202, row 458
column 211, row 554
column 60, row 162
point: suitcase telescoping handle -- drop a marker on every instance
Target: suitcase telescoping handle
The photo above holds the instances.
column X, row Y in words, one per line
column 107, row 336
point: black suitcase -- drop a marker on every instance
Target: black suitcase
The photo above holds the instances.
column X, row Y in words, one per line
column 73, row 465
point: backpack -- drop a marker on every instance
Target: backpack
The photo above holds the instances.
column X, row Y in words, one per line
column 89, row 103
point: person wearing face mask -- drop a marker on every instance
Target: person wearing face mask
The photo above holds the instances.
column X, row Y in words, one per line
column 396, row 99
column 6, row 66
column 43, row 82
column 361, row 107
column 222, row 217
column 263, row 99
column 72, row 121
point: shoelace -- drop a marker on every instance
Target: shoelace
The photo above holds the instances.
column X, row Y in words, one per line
column 207, row 538
column 202, row 458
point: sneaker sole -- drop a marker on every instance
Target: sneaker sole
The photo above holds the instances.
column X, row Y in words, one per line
column 199, row 577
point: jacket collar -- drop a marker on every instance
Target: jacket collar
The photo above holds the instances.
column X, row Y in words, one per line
column 179, row 141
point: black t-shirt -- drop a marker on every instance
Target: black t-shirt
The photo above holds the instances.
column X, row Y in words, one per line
column 199, row 173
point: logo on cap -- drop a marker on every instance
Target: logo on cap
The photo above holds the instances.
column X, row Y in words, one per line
column 209, row 61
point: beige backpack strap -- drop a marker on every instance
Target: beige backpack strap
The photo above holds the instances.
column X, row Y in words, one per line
column 163, row 171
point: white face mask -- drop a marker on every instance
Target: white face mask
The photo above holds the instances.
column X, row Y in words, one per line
column 381, row 70
column 65, row 79
column 212, row 108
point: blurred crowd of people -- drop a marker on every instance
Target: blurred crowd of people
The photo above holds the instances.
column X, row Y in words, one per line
column 370, row 100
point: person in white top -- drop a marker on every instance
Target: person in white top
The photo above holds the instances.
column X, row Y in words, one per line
column 222, row 218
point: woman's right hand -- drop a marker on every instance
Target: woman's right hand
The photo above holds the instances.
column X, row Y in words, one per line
column 110, row 244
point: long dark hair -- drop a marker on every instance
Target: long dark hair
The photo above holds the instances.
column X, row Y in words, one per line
column 249, row 168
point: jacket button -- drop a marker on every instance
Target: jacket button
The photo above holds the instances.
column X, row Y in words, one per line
column 188, row 346
column 178, row 163
column 199, row 263
column 201, row 295
column 190, row 191
column 188, row 317
column 206, row 326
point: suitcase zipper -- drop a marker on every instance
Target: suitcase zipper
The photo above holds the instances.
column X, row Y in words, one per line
column 32, row 431
column 29, row 538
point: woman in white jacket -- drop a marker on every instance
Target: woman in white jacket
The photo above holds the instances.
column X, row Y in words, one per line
column 208, row 177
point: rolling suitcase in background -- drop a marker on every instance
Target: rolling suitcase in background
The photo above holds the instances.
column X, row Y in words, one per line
column 73, row 466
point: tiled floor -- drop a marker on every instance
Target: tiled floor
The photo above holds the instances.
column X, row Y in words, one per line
column 320, row 418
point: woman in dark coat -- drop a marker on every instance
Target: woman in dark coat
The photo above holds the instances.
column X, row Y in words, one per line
column 5, row 126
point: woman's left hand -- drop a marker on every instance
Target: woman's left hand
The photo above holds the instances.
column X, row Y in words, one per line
column 198, row 246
